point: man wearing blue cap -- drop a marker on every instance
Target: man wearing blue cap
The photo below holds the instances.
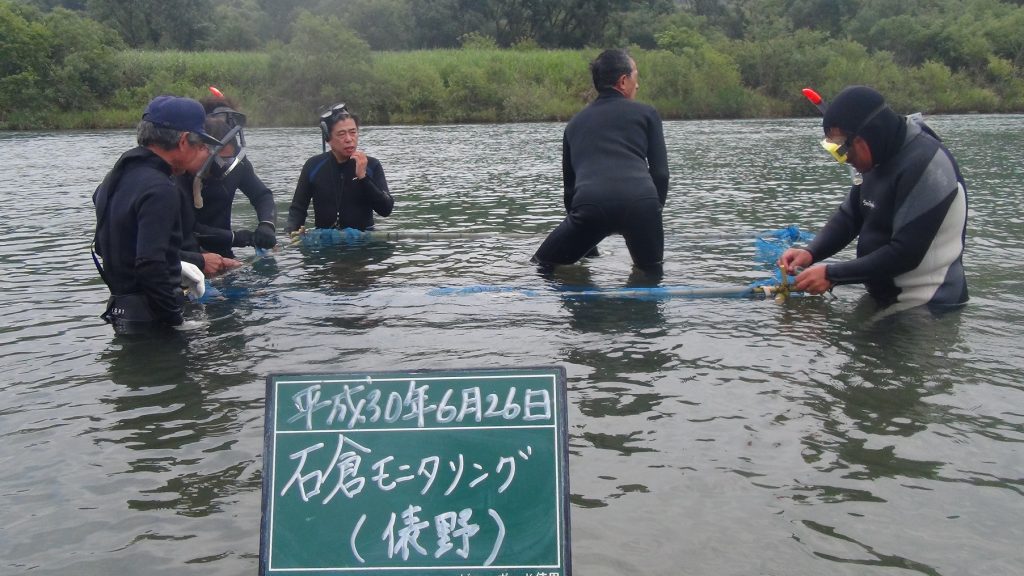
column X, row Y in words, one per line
column 908, row 213
column 138, row 217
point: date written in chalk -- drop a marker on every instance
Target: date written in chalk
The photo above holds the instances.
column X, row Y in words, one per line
column 352, row 406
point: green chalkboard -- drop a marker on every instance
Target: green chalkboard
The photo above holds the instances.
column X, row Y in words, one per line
column 429, row 472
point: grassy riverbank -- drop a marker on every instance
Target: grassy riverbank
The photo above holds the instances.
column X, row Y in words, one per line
column 281, row 87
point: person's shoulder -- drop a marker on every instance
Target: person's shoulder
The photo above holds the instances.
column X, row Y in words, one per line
column 314, row 160
column 148, row 168
column 919, row 150
column 643, row 106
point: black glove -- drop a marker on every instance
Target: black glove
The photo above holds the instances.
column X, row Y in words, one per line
column 241, row 238
column 265, row 236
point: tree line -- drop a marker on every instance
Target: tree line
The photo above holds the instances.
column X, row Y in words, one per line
column 93, row 63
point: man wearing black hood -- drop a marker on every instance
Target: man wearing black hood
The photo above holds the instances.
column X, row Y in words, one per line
column 614, row 172
column 909, row 213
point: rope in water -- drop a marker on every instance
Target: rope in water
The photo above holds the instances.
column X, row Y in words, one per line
column 769, row 244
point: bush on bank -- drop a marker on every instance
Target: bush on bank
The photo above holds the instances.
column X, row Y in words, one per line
column 60, row 70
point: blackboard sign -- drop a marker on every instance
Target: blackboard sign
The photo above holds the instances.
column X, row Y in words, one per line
column 441, row 473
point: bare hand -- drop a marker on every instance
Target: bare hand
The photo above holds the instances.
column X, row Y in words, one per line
column 794, row 258
column 214, row 264
column 360, row 157
column 813, row 280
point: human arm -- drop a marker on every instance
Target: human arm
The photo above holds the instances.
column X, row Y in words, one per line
column 300, row 201
column 214, row 239
column 374, row 184
column 657, row 156
column 842, row 227
column 568, row 175
column 157, row 211
column 262, row 199
column 927, row 221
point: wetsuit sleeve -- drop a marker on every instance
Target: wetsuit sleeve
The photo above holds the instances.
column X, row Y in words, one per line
column 568, row 175
column 910, row 239
column 657, row 156
column 151, row 249
column 260, row 196
column 194, row 258
column 213, row 239
column 376, row 185
column 300, row 201
column 840, row 230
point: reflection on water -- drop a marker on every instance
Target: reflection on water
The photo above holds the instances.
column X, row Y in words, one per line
column 711, row 436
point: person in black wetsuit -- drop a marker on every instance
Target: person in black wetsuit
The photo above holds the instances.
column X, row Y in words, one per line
column 909, row 213
column 210, row 263
column 614, row 172
column 224, row 174
column 138, row 217
column 345, row 185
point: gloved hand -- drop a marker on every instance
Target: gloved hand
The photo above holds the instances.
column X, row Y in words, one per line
column 241, row 238
column 193, row 279
column 265, row 236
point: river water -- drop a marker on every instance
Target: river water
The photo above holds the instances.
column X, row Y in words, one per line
column 707, row 436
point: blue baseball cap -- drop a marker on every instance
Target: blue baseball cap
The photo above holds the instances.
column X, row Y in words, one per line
column 181, row 114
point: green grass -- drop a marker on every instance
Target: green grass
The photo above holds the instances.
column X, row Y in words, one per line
column 493, row 85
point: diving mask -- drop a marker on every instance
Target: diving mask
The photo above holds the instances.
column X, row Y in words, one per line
column 837, row 150
column 226, row 123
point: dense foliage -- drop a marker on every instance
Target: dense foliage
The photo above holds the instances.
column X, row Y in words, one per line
column 96, row 62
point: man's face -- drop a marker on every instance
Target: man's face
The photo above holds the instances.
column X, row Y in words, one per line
column 191, row 157
column 344, row 138
column 631, row 83
column 858, row 153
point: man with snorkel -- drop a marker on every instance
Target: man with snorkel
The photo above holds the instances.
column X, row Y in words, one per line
column 212, row 191
column 345, row 185
column 908, row 212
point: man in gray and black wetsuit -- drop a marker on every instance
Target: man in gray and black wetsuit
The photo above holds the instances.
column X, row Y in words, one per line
column 614, row 172
column 909, row 214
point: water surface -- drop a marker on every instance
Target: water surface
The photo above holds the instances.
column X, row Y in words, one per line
column 708, row 436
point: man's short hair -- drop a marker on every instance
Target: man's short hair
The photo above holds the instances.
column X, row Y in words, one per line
column 149, row 134
column 339, row 117
column 609, row 66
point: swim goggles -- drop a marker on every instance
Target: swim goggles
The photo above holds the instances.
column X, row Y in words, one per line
column 337, row 112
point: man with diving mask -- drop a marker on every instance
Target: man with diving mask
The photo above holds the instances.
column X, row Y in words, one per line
column 908, row 213
column 213, row 187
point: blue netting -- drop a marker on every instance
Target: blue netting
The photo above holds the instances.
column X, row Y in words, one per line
column 768, row 248
column 333, row 237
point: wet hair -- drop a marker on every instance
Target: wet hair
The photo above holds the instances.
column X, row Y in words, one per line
column 211, row 103
column 149, row 134
column 217, row 127
column 339, row 117
column 609, row 66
